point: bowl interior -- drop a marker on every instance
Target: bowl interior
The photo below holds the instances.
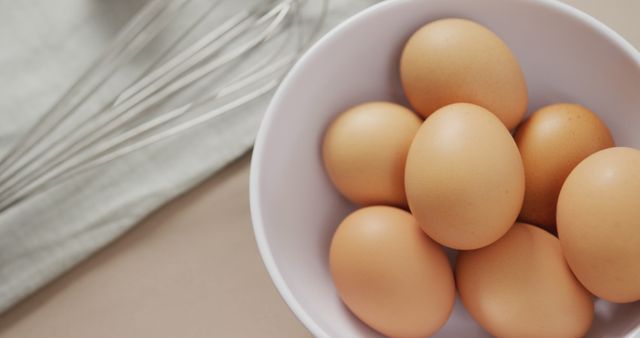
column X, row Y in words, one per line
column 566, row 56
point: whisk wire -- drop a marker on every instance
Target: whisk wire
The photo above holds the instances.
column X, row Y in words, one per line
column 81, row 139
column 74, row 168
column 131, row 45
column 141, row 102
column 51, row 119
column 181, row 58
column 106, row 137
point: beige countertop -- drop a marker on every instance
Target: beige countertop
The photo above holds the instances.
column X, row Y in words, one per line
column 192, row 269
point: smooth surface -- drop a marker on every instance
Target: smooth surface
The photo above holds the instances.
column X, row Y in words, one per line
column 599, row 223
column 369, row 143
column 293, row 210
column 552, row 141
column 464, row 177
column 390, row 274
column 108, row 295
column 521, row 286
column 455, row 60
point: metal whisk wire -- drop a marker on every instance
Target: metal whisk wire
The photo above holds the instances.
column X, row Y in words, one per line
column 101, row 70
column 120, row 114
column 27, row 170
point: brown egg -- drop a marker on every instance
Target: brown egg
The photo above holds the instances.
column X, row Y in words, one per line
column 599, row 223
column 464, row 177
column 390, row 274
column 521, row 286
column 552, row 142
column 457, row 60
column 365, row 150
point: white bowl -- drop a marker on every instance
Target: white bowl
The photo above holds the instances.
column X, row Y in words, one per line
column 566, row 56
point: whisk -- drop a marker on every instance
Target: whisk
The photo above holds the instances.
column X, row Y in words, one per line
column 180, row 89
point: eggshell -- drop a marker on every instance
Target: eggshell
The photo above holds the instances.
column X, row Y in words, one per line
column 457, row 60
column 521, row 286
column 599, row 223
column 390, row 274
column 552, row 142
column 365, row 150
column 464, row 177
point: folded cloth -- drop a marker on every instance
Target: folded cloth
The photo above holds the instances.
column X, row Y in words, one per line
column 45, row 46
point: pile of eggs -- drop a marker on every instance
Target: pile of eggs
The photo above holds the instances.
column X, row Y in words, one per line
column 460, row 179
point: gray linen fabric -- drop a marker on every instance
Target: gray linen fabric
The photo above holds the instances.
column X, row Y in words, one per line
column 44, row 46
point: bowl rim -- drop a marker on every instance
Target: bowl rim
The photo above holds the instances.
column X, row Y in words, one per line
column 280, row 95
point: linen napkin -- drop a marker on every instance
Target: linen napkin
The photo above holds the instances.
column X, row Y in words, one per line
column 46, row 45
